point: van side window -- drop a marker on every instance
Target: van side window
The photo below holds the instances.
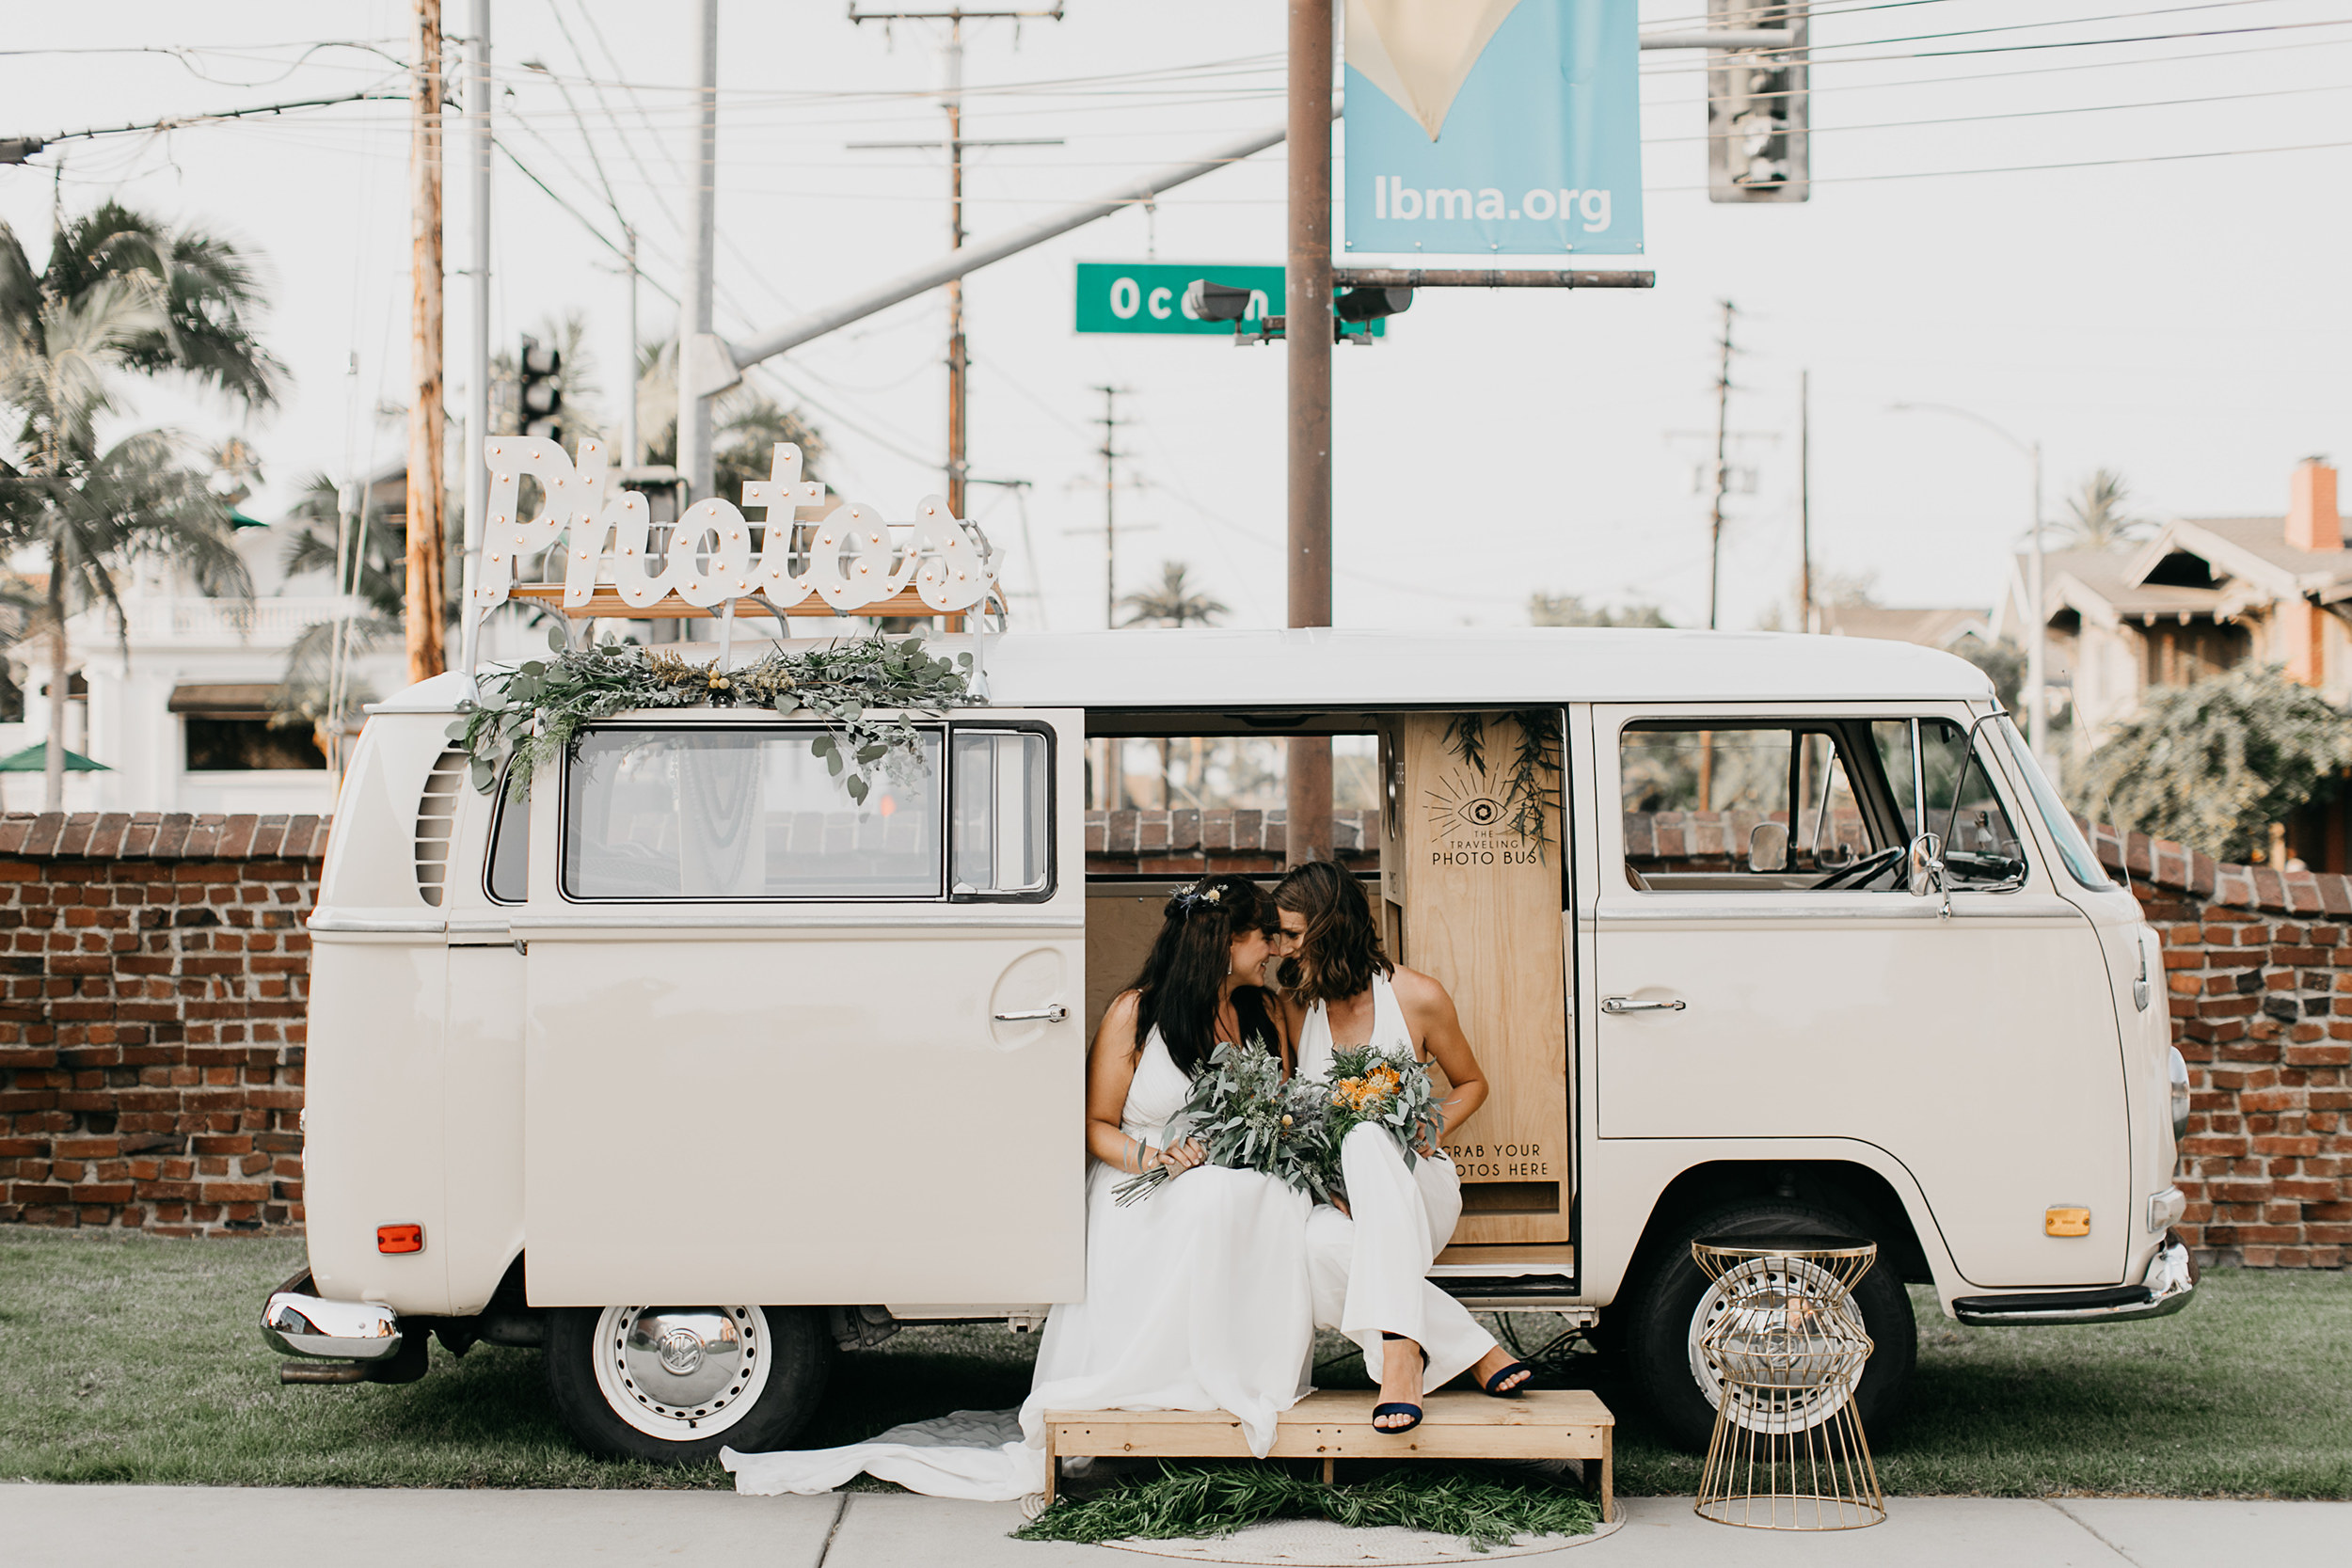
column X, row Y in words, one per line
column 510, row 846
column 711, row 812
column 1982, row 847
column 1748, row 807
column 1004, row 827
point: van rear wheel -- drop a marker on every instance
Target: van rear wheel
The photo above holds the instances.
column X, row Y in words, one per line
column 1670, row 1302
column 674, row 1385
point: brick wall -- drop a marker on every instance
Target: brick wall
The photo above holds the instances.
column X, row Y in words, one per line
column 155, row 967
column 155, row 972
column 1206, row 843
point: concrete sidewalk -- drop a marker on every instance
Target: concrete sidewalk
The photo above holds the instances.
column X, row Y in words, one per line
column 64, row 1526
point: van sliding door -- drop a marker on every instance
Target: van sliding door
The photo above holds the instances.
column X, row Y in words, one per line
column 784, row 1046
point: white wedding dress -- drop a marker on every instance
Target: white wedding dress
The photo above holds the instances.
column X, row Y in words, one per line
column 1197, row 1299
column 1369, row 1273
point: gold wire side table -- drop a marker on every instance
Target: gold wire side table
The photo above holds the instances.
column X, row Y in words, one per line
column 1784, row 1342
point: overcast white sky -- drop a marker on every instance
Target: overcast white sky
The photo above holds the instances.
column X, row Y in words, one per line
column 2183, row 320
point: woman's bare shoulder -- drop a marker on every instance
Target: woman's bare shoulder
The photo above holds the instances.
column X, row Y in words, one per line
column 1118, row 1020
column 1414, row 988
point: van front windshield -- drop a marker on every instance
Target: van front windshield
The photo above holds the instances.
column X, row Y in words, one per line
column 2071, row 846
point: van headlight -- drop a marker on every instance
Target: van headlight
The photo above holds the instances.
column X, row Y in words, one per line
column 2179, row 1067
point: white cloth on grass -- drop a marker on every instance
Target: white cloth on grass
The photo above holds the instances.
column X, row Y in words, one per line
column 1197, row 1299
column 1369, row 1268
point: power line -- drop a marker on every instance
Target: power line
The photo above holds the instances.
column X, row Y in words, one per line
column 2033, row 168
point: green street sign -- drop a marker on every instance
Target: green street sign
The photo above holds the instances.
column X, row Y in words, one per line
column 1149, row 297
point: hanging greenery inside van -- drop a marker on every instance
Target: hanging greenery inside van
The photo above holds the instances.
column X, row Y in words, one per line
column 533, row 712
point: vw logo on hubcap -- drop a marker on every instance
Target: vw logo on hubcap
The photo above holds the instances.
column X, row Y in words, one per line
column 681, row 1350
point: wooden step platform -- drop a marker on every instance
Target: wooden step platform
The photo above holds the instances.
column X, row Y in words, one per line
column 1552, row 1423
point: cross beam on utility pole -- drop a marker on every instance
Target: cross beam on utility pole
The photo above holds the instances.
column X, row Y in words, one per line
column 959, row 361
column 426, row 603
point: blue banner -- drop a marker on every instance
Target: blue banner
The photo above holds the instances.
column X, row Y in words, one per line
column 1478, row 128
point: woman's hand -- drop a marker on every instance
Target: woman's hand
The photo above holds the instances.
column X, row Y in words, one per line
column 1179, row 1158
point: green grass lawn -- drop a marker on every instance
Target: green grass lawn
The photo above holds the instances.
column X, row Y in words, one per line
column 126, row 1359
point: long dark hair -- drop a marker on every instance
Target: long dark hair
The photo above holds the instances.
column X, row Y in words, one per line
column 1342, row 950
column 1179, row 987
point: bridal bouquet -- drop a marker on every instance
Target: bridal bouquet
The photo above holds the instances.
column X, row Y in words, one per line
column 1393, row 1092
column 1248, row 1119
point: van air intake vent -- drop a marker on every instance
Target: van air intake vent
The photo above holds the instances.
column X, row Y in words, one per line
column 437, row 819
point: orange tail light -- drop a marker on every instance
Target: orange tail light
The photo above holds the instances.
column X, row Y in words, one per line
column 400, row 1237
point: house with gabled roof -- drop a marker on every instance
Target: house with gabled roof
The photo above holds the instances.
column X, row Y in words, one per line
column 2201, row 596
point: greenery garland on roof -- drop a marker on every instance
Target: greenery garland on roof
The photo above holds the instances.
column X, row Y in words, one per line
column 866, row 692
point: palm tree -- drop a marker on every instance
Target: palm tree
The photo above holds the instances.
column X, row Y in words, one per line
column 2095, row 518
column 1173, row 603
column 120, row 293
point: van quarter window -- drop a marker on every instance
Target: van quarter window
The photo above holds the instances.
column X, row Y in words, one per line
column 1004, row 829
column 510, row 846
column 710, row 813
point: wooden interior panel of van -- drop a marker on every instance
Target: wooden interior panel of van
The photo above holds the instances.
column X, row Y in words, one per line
column 1480, row 910
column 1122, row 918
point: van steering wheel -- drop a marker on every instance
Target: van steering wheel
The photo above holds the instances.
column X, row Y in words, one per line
column 1862, row 870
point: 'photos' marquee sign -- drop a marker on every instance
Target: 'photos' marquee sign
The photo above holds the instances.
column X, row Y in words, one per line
column 850, row 561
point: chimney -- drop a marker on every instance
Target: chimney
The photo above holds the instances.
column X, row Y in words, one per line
column 2311, row 520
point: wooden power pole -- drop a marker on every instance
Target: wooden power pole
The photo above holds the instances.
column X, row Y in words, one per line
column 427, row 603
column 1306, row 341
column 1723, row 474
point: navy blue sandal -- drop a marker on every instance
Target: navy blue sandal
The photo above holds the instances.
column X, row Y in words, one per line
column 1493, row 1384
column 1398, row 1409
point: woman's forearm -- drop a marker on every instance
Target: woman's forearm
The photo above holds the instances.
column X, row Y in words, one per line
column 1462, row 1105
column 1107, row 1142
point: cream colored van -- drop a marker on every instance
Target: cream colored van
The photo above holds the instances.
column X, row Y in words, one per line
column 675, row 1068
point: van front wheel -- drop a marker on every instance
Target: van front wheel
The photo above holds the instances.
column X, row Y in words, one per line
column 1670, row 1302
column 676, row 1384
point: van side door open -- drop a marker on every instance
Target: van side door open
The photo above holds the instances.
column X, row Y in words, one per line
column 761, row 1013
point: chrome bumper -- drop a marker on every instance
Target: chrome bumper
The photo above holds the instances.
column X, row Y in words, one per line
column 2172, row 1280
column 297, row 1324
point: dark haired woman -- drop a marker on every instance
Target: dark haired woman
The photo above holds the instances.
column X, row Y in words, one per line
column 1196, row 1295
column 1369, row 1266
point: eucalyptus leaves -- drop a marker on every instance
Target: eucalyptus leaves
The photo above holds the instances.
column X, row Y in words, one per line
column 535, row 711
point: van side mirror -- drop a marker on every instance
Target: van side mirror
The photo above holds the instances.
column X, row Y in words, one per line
column 1767, row 847
column 1924, row 870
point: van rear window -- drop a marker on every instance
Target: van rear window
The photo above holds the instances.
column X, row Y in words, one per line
column 709, row 812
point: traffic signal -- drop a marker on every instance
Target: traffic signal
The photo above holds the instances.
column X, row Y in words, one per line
column 1216, row 302
column 540, row 399
column 1363, row 304
column 1755, row 106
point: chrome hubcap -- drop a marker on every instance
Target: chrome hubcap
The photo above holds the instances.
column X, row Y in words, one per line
column 684, row 1363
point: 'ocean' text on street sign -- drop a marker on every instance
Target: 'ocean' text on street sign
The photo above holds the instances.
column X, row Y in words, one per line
column 1148, row 296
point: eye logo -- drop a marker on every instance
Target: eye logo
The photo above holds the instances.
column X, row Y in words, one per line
column 1480, row 811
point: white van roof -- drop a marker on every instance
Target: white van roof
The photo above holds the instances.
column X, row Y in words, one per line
column 1352, row 668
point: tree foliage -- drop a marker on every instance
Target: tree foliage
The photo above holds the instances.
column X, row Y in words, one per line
column 1175, row 603
column 2213, row 765
column 2096, row 516
column 1571, row 610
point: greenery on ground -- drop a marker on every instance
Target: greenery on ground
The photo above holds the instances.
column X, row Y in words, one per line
column 132, row 1359
column 1218, row 1499
column 2212, row 765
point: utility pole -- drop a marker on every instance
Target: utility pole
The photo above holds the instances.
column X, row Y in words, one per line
column 478, row 338
column 1110, row 421
column 1307, row 286
column 959, row 361
column 693, row 404
column 1723, row 474
column 1805, row 501
column 426, row 602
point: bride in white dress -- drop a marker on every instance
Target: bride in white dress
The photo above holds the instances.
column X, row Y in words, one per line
column 1196, row 1295
column 1369, row 1262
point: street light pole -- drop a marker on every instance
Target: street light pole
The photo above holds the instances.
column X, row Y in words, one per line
column 2038, row 643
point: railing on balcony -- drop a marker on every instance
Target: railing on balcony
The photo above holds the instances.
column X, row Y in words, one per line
column 193, row 619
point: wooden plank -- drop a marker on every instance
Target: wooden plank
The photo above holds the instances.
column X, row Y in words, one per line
column 1482, row 915
column 1502, row 1259
column 1569, row 1423
column 607, row 604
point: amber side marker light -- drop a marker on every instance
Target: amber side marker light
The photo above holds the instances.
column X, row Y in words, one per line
column 2061, row 1221
column 410, row 1238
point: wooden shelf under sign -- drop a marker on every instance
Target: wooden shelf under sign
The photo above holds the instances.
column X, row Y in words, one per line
column 607, row 604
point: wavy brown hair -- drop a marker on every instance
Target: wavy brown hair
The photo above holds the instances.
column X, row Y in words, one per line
column 1341, row 951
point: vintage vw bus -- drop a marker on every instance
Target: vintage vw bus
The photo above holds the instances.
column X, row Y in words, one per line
column 677, row 1068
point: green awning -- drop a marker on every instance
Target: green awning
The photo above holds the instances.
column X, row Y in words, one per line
column 35, row 759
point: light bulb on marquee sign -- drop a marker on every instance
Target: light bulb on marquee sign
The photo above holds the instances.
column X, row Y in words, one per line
column 852, row 562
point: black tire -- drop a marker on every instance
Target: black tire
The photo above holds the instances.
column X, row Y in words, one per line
column 1660, row 1302
column 793, row 1341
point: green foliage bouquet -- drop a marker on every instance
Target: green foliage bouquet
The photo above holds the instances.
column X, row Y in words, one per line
column 1247, row 1118
column 1369, row 1086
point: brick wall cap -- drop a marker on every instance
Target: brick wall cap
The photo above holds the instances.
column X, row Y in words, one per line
column 139, row 836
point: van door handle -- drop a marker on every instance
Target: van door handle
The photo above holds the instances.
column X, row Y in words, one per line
column 1627, row 1005
column 1054, row 1014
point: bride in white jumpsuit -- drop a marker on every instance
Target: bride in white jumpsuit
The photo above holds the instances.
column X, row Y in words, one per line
column 1368, row 1266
